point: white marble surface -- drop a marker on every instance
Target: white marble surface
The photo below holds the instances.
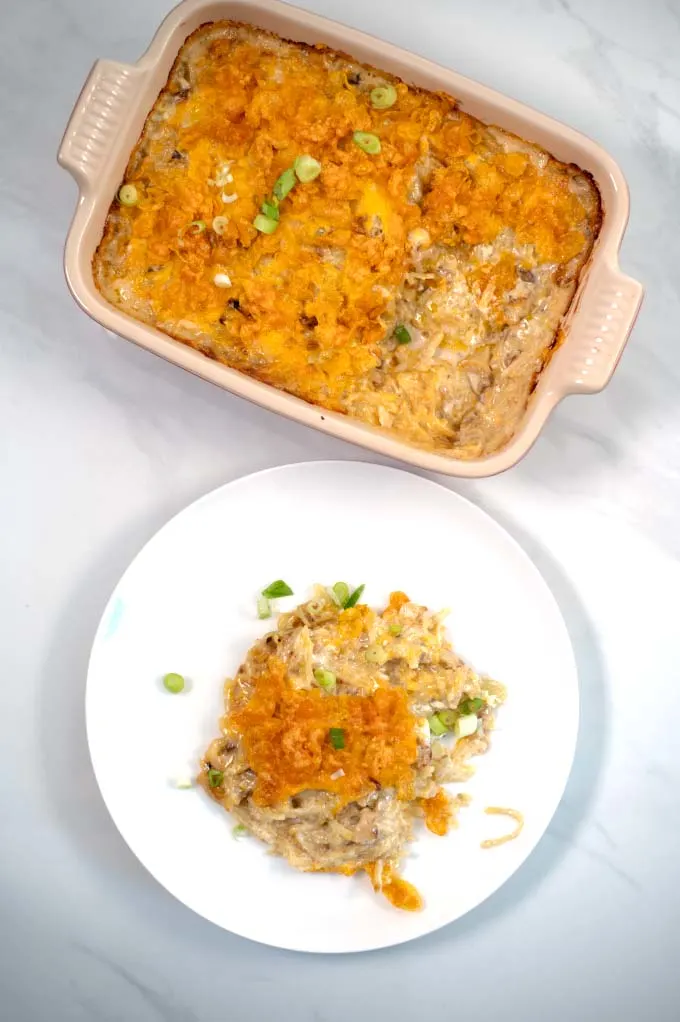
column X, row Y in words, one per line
column 100, row 443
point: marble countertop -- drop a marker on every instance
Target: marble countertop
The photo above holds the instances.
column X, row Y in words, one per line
column 101, row 442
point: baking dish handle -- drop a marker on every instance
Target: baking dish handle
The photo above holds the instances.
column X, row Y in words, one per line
column 602, row 321
column 102, row 109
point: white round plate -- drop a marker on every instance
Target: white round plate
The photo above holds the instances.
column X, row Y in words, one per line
column 187, row 604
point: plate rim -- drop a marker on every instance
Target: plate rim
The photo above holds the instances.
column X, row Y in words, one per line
column 396, row 939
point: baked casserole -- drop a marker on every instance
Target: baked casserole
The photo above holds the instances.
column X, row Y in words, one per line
column 347, row 238
column 341, row 727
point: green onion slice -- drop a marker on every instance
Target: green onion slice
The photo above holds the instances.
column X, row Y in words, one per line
column 401, row 334
column 270, row 210
column 277, row 589
column 383, row 97
column 337, row 737
column 436, row 726
column 195, row 228
column 466, row 726
column 285, row 183
column 375, row 655
column 448, row 718
column 368, row 142
column 219, row 224
column 239, row 831
column 470, row 706
column 173, row 682
column 215, row 778
column 341, row 593
column 128, row 195
column 326, row 679
column 352, row 600
column 306, row 168
column 265, row 224
column 264, row 608
column 395, row 629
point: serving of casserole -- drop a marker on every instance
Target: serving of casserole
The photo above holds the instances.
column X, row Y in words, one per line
column 342, row 725
column 393, row 267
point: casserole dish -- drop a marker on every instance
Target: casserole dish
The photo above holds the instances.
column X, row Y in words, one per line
column 108, row 121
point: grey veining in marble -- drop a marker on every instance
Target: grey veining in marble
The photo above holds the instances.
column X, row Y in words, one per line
column 100, row 443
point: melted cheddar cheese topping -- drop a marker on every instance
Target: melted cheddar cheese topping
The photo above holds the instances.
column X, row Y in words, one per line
column 286, row 734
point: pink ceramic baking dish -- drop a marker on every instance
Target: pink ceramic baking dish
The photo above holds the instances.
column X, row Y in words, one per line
column 108, row 119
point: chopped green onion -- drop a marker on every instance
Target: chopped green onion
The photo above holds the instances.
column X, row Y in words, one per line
column 375, row 655
column 239, row 831
column 215, row 778
column 195, row 227
column 383, row 97
column 436, row 727
column 470, row 706
column 337, row 737
column 343, row 597
column 368, row 142
column 341, row 593
column 448, row 718
column 224, row 175
column 277, row 589
column 285, row 183
column 264, row 608
column 306, row 168
column 352, row 600
column 326, row 679
column 395, row 629
column 465, row 726
column 173, row 682
column 401, row 334
column 265, row 224
column 128, row 195
column 270, row 210
column 219, row 224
